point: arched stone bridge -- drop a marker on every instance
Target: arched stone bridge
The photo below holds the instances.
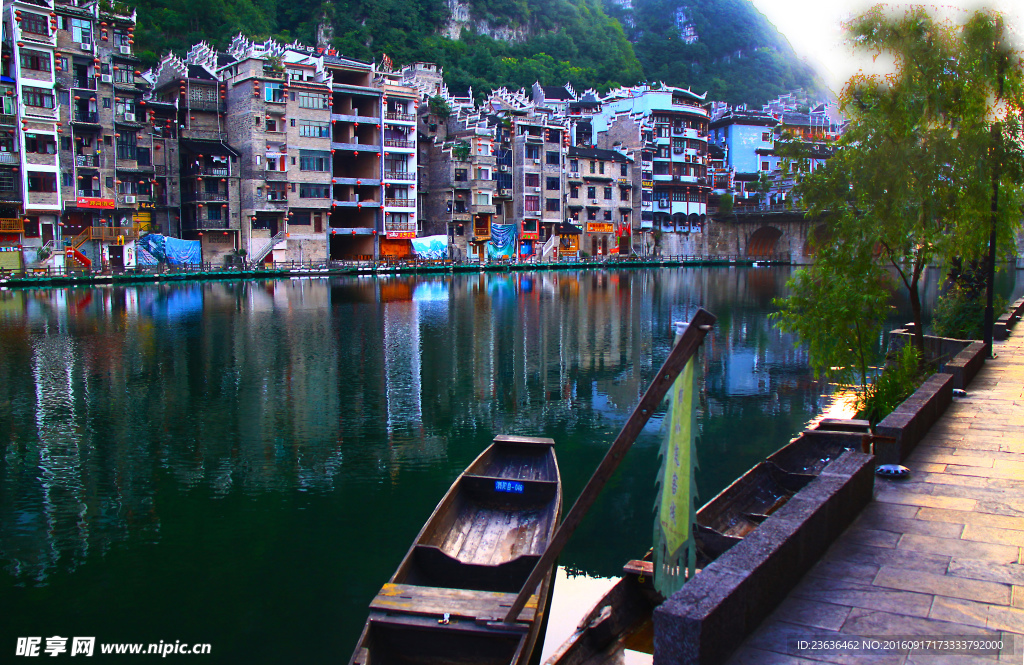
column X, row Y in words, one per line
column 763, row 234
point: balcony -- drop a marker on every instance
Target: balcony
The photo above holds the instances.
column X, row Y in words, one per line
column 401, row 227
column 210, row 171
column 404, row 117
column 9, row 158
column 409, row 176
column 12, row 225
column 191, row 197
column 275, row 175
column 10, row 195
column 8, row 118
column 91, row 117
column 87, row 83
column 203, row 105
column 204, row 134
column 399, row 143
column 271, row 74
column 400, row 203
column 204, row 223
column 90, row 161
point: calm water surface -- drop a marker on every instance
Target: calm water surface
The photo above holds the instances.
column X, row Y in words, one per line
column 245, row 463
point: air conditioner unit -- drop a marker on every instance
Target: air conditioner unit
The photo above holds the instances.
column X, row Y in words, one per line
column 126, row 50
column 85, row 46
column 593, row 202
column 503, row 168
column 663, row 203
column 106, row 78
column 130, row 117
column 129, row 199
column 505, row 192
column 536, row 189
column 536, row 161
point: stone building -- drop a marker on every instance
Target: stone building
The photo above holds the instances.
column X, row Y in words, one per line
column 600, row 199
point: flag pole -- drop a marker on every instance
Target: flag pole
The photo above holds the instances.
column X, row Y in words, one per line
column 688, row 344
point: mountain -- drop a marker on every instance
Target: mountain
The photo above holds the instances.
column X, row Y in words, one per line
column 723, row 46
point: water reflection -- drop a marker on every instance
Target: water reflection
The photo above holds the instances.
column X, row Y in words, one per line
column 229, row 431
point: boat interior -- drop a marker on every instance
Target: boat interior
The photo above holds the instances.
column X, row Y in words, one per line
column 387, row 643
column 492, row 528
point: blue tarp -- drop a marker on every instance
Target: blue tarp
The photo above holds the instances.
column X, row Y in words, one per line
column 502, row 244
column 155, row 248
column 431, row 247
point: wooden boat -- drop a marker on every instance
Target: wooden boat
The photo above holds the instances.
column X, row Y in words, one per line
column 447, row 600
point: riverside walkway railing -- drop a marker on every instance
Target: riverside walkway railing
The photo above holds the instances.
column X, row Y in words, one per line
column 75, row 274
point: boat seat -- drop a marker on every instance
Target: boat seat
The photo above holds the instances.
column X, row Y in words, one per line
column 442, row 570
column 435, row 601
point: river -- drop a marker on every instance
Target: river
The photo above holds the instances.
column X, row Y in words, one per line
column 245, row 463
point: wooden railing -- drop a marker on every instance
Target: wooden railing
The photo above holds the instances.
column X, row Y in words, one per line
column 12, row 225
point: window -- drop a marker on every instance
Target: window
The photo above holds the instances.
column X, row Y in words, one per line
column 678, row 195
column 37, row 97
column 36, row 60
column 81, row 30
column 213, row 213
column 273, row 92
column 110, row 183
column 301, row 218
column 106, row 102
column 593, row 167
column 314, row 160
column 591, row 192
column 607, row 193
column 126, row 187
column 461, row 175
column 766, row 137
column 551, row 205
column 553, row 158
column 623, row 194
column 554, row 184
column 67, row 179
column 142, row 156
column 552, row 135
column 592, row 214
column 532, row 203
column 574, row 165
column 482, row 199
column 311, row 100
column 483, row 174
column 313, row 129
column 35, row 23
column 533, row 180
column 532, row 152
column 277, row 191
column 65, row 143
column 126, row 145
column 601, row 167
column 574, row 191
column 271, row 125
column 624, row 170
column 43, row 144
column 308, row 191
column 31, row 227
column 607, row 215
column 764, row 166
column 123, row 74
column 42, row 182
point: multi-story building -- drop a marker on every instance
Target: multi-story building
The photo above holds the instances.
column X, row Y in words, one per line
column 355, row 160
column 207, row 164
column 538, row 146
column 668, row 128
column 400, row 220
column 748, row 139
column 30, row 181
column 600, row 195
column 283, row 135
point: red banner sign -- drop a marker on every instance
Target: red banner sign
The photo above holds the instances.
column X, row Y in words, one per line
column 89, row 202
column 401, row 235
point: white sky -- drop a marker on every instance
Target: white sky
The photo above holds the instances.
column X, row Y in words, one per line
column 813, row 27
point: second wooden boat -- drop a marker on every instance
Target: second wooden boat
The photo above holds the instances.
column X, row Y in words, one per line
column 447, row 600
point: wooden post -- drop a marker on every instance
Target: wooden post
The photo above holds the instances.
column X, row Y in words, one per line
column 683, row 350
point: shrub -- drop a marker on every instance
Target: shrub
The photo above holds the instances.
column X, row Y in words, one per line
column 897, row 382
column 960, row 313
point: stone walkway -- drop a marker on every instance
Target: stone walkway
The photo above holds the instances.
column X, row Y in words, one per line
column 940, row 554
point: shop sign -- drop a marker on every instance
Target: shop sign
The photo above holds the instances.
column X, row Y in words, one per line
column 401, row 235
column 598, row 227
column 90, row 202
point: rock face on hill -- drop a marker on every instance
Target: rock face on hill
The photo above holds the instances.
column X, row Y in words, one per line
column 722, row 46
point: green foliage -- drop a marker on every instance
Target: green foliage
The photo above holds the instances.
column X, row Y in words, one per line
column 960, row 313
column 461, row 151
column 740, row 57
column 896, row 383
column 725, row 204
column 911, row 178
column 440, row 107
column 838, row 313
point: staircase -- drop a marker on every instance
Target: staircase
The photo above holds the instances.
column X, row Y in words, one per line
column 549, row 247
column 269, row 247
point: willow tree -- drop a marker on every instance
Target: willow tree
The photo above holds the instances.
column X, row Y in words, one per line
column 912, row 177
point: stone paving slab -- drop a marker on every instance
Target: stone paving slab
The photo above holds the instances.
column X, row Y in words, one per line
column 939, row 554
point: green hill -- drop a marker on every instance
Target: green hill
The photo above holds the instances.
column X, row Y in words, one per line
column 551, row 41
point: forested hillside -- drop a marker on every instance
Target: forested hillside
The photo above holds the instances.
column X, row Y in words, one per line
column 551, row 41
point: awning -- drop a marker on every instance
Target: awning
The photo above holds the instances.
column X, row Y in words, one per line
column 200, row 147
column 567, row 229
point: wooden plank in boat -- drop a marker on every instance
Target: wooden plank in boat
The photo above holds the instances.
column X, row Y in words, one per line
column 436, row 601
column 525, row 440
